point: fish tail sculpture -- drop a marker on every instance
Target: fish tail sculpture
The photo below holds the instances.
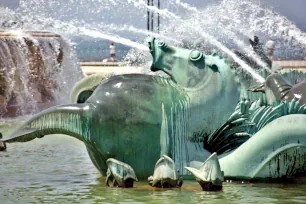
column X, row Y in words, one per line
column 209, row 176
column 120, row 174
column 165, row 174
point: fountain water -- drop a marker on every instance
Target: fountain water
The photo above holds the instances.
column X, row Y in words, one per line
column 37, row 71
column 232, row 36
column 197, row 28
column 66, row 28
column 243, row 18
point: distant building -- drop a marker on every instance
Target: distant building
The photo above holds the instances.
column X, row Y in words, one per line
column 290, row 64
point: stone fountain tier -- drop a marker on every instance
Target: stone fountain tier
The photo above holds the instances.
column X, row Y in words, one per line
column 32, row 75
column 29, row 33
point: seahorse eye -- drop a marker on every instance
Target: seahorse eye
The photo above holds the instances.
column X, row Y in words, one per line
column 162, row 45
column 195, row 55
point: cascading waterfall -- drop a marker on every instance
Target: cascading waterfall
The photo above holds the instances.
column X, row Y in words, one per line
column 38, row 71
column 14, row 85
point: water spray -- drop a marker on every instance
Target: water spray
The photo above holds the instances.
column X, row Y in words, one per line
column 253, row 55
column 211, row 39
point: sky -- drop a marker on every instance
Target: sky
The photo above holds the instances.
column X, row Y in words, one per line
column 294, row 10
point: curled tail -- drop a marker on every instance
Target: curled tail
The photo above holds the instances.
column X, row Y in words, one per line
column 74, row 120
column 85, row 87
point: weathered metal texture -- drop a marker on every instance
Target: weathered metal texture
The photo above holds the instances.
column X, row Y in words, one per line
column 156, row 116
column 204, row 78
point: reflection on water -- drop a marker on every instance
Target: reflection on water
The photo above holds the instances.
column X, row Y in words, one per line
column 57, row 169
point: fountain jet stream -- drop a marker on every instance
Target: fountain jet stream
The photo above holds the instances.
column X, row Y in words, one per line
column 257, row 20
column 244, row 65
column 117, row 39
column 242, row 45
column 69, row 28
column 186, row 6
column 210, row 38
column 143, row 4
column 243, row 17
column 131, row 28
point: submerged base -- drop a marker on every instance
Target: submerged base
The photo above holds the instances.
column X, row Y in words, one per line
column 128, row 183
column 210, row 186
column 167, row 183
column 2, row 146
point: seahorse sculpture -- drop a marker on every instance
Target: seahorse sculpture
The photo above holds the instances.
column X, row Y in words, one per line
column 133, row 113
column 138, row 118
